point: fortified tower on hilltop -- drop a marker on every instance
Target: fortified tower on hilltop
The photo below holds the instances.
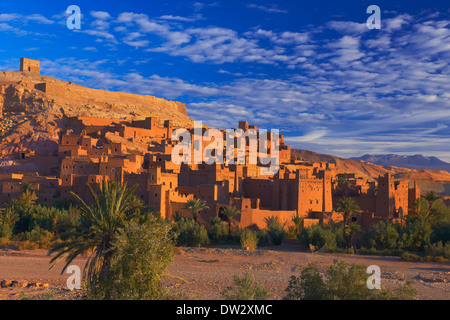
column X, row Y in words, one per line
column 30, row 65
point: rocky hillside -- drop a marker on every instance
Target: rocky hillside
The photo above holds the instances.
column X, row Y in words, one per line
column 36, row 107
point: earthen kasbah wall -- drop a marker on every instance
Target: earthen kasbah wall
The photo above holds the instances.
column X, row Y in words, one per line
column 30, row 65
column 99, row 150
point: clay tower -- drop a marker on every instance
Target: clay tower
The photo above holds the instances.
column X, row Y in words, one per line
column 29, row 65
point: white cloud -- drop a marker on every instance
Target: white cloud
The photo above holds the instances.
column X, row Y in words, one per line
column 354, row 90
column 271, row 9
column 102, row 15
column 178, row 18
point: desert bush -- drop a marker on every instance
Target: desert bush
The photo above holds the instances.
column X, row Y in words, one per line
column 291, row 232
column 4, row 242
column 263, row 237
column 308, row 286
column 245, row 288
column 411, row 257
column 439, row 259
column 382, row 252
column 249, row 239
column 190, row 233
column 276, row 230
column 141, row 254
column 318, row 237
column 438, row 249
column 217, row 231
column 42, row 238
column 340, row 282
column 27, row 245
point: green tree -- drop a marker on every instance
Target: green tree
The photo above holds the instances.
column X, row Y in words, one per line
column 8, row 218
column 195, row 206
column 383, row 235
column 108, row 213
column 417, row 234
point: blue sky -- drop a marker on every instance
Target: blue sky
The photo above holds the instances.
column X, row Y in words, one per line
column 311, row 69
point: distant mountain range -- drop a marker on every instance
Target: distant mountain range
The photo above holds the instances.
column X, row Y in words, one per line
column 428, row 179
column 417, row 161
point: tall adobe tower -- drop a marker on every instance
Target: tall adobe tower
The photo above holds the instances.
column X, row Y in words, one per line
column 30, row 65
column 392, row 197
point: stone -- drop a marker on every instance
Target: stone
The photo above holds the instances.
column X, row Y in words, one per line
column 5, row 283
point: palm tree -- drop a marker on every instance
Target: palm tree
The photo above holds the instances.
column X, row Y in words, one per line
column 106, row 216
column 229, row 213
column 195, row 206
column 347, row 207
column 297, row 220
column 430, row 197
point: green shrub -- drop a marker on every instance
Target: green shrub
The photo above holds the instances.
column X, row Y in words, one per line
column 141, row 254
column 8, row 219
column 245, row 289
column 249, row 239
column 275, row 230
column 439, row 259
column 438, row 249
column 27, row 245
column 292, row 232
column 191, row 234
column 381, row 252
column 340, row 282
column 263, row 237
column 308, row 286
column 45, row 217
column 410, row 257
column 36, row 238
column 4, row 242
column 318, row 237
column 218, row 231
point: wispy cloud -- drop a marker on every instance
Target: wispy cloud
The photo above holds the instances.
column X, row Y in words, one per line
column 269, row 9
column 352, row 91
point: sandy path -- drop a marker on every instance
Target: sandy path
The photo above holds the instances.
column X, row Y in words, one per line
column 210, row 270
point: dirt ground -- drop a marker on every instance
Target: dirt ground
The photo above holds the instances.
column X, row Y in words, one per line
column 209, row 270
